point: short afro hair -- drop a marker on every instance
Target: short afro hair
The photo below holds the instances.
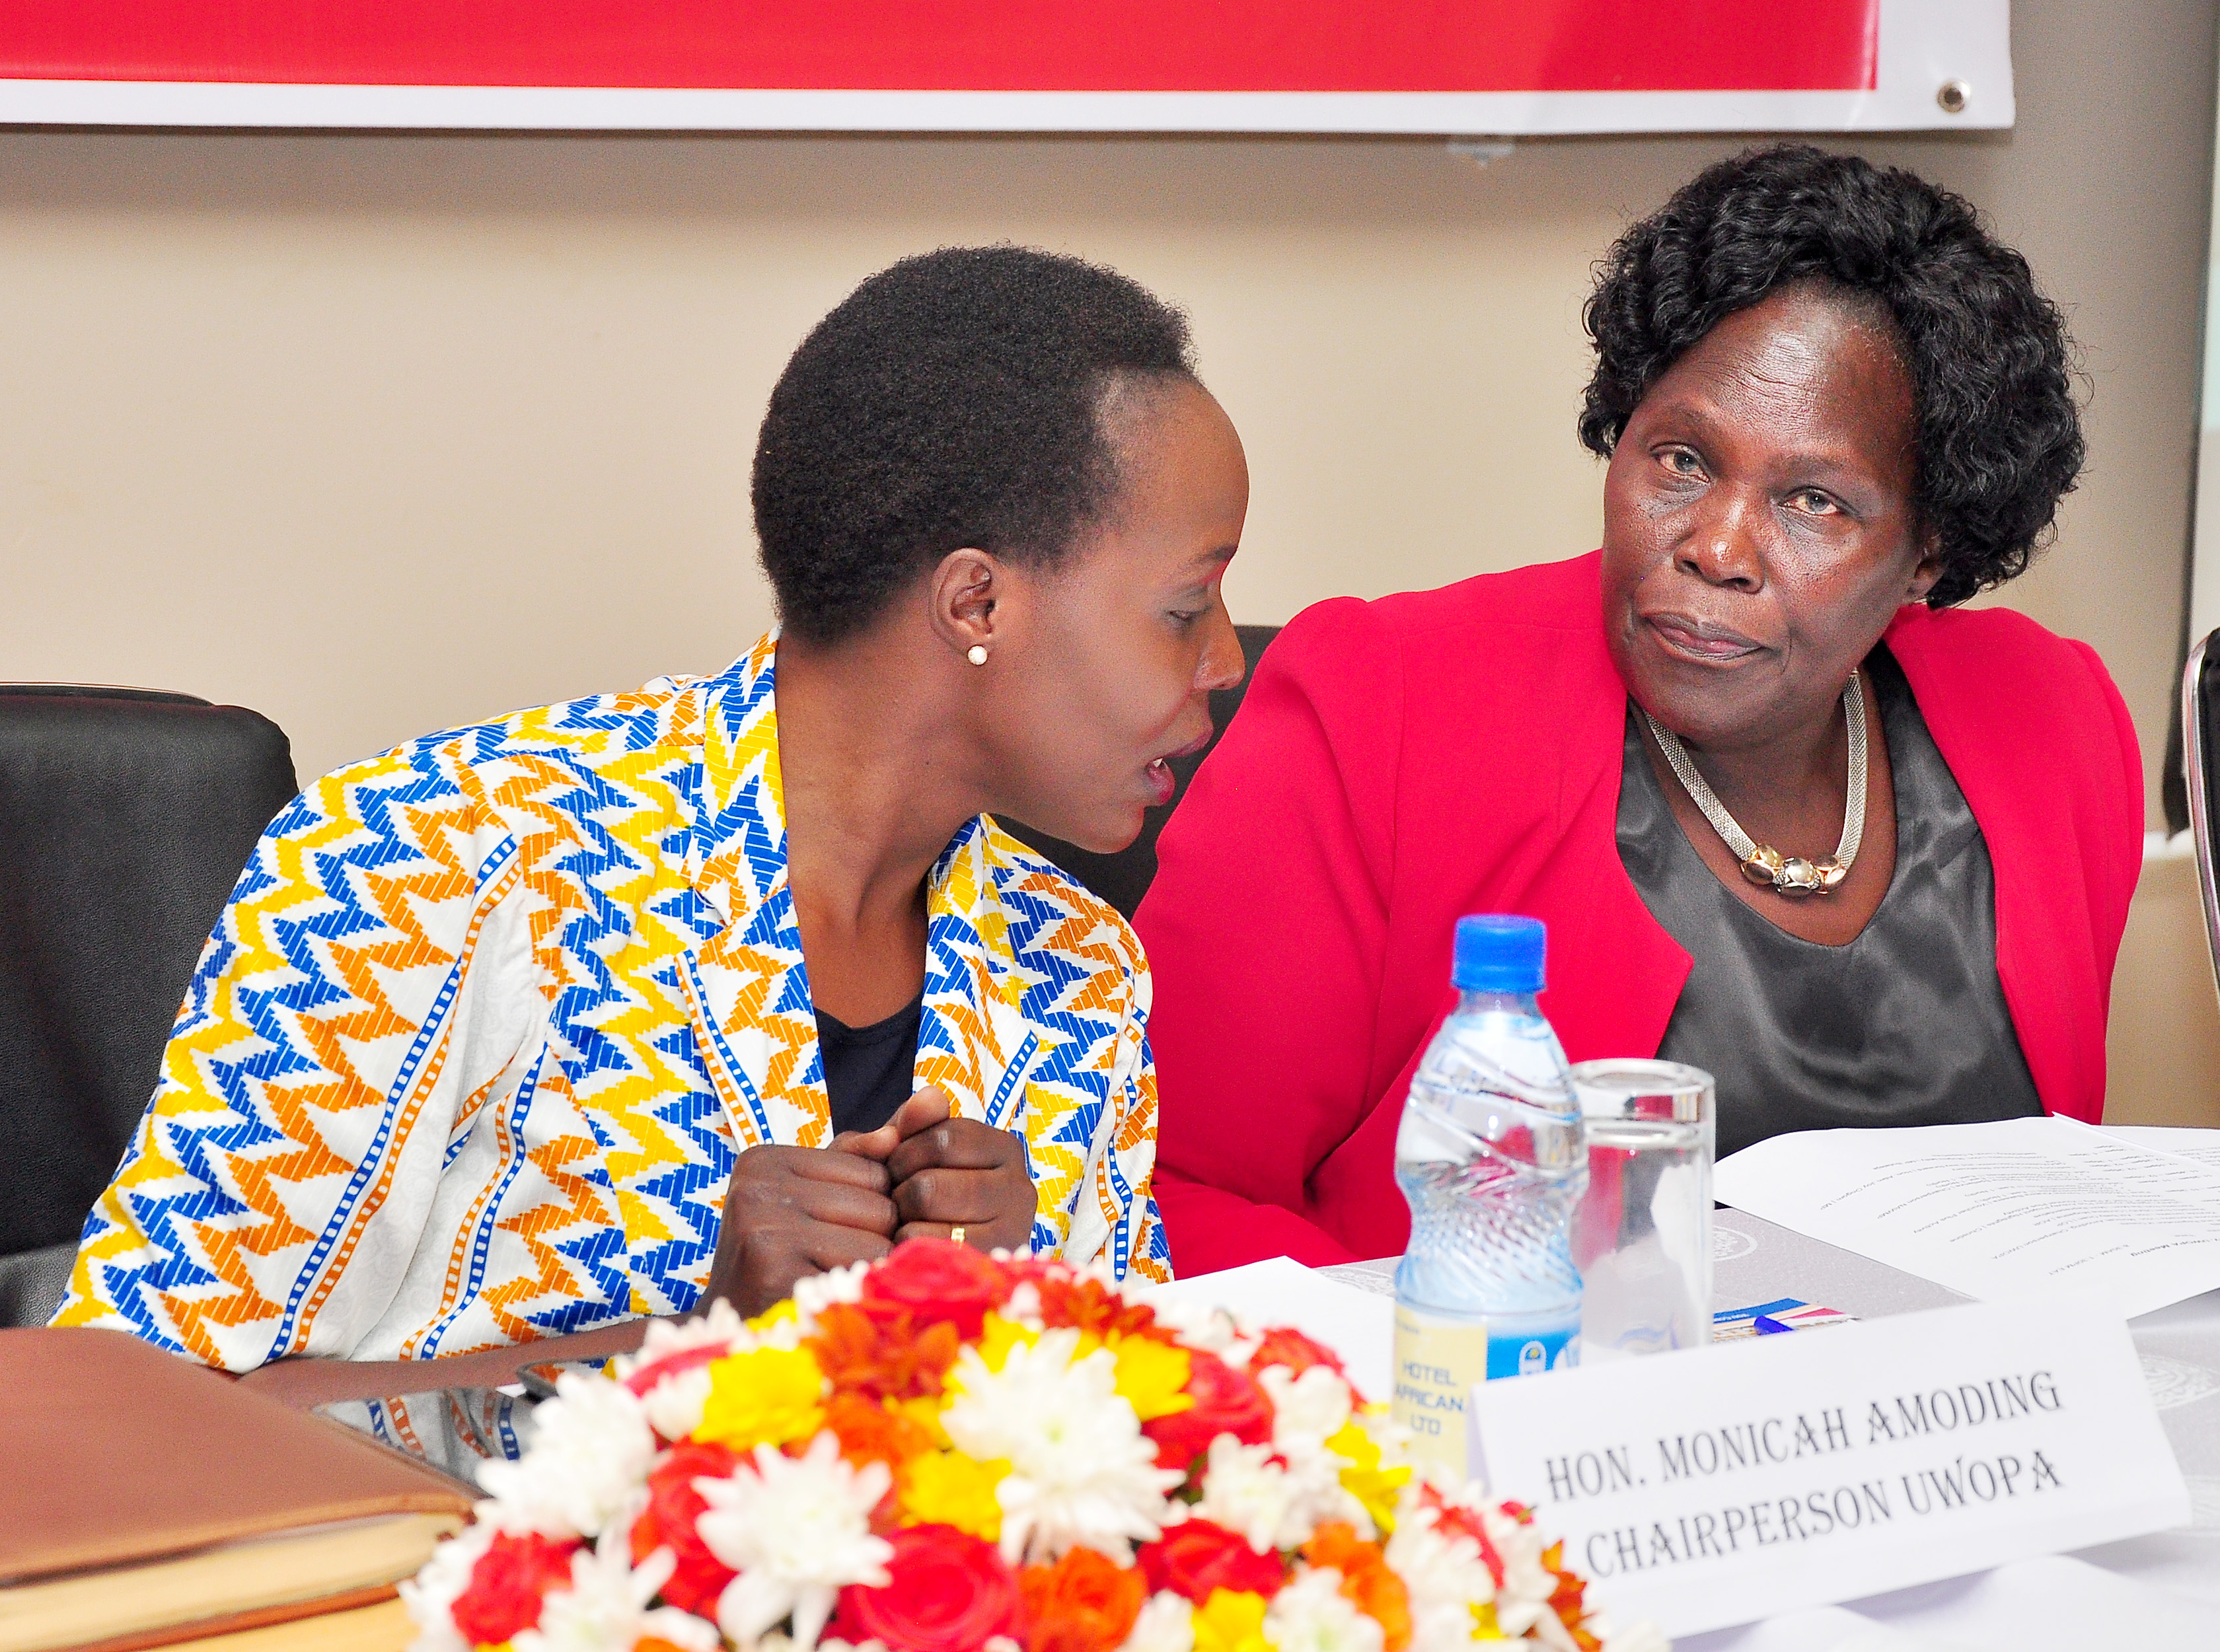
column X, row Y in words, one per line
column 1998, row 431
column 954, row 399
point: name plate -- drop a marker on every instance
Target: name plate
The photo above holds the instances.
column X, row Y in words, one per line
column 1724, row 1485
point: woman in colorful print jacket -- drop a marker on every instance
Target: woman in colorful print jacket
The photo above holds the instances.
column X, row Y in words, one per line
column 593, row 1012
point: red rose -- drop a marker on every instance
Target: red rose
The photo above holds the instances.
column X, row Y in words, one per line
column 507, row 1583
column 673, row 1508
column 1285, row 1345
column 1196, row 1556
column 1226, row 1401
column 945, row 1591
column 936, row 1282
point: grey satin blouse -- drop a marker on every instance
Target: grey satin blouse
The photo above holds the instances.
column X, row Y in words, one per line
column 1905, row 1024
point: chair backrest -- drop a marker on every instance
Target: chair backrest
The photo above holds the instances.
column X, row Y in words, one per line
column 2200, row 770
column 125, row 816
column 1123, row 878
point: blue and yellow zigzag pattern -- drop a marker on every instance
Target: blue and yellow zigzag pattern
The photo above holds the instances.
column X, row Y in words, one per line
column 474, row 1045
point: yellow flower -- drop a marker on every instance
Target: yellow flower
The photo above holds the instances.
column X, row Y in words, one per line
column 777, row 1314
column 999, row 1335
column 924, row 1412
column 1365, row 1478
column 771, row 1396
column 948, row 1488
column 1152, row 1376
column 1231, row 1621
column 1484, row 1626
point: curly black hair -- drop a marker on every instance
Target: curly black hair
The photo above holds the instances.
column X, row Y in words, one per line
column 1998, row 433
column 953, row 399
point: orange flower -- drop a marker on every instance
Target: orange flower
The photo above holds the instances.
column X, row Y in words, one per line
column 1084, row 1603
column 1367, row 1580
column 871, row 1432
column 1089, row 1305
column 1566, row 1598
column 884, row 1358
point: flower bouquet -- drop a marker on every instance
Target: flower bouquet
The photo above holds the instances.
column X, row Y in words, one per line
column 943, row 1451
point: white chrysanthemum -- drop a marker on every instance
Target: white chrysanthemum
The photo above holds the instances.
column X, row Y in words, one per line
column 1522, row 1599
column 1081, row 1470
column 1197, row 1325
column 812, row 1296
column 1166, row 1624
column 1244, row 1490
column 1023, row 1307
column 1306, row 1410
column 1311, row 1614
column 606, row 1607
column 1549, row 1630
column 674, row 1405
column 1641, row 1636
column 1445, row 1575
column 720, row 1327
column 798, row 1530
column 430, row 1596
column 591, row 1450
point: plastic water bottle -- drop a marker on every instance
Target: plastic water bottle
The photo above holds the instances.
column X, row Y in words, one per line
column 1492, row 1157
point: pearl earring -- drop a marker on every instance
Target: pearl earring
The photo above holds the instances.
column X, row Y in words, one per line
column 978, row 654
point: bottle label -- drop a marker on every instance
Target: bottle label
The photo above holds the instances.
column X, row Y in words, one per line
column 1436, row 1363
column 1438, row 1360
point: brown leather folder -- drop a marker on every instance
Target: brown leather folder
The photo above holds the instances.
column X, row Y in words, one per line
column 144, row 1500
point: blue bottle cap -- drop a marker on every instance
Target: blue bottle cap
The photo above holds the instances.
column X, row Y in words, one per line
column 1497, row 953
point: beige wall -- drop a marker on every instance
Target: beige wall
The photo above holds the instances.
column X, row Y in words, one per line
column 378, row 433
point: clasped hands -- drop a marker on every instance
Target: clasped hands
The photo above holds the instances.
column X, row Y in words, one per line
column 791, row 1211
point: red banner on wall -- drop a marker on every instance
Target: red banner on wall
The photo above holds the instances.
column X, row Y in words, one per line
column 1454, row 66
column 961, row 45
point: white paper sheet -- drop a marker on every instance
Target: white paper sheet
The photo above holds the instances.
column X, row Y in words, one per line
column 2023, row 1209
column 1358, row 1325
column 2201, row 1145
column 2057, row 1605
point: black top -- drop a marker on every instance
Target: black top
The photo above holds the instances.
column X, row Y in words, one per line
column 1905, row 1024
column 869, row 1069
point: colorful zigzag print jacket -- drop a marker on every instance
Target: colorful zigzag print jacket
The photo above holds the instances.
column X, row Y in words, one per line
column 471, row 1052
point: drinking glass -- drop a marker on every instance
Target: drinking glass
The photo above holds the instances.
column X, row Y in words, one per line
column 1642, row 1236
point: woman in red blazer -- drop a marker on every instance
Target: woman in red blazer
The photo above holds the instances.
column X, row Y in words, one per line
column 1834, row 408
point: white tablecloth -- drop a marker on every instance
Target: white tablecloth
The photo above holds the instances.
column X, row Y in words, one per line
column 2159, row 1594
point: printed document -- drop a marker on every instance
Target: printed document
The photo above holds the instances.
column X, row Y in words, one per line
column 2019, row 1210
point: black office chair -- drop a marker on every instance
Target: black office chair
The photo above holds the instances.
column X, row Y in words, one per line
column 125, row 817
column 2200, row 772
column 1123, row 878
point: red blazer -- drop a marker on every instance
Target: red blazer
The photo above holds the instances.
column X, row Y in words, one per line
column 1400, row 762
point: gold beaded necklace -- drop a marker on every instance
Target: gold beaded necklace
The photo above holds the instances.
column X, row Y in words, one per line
column 1788, row 874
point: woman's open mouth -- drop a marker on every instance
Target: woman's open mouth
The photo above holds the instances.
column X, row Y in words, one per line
column 1162, row 781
